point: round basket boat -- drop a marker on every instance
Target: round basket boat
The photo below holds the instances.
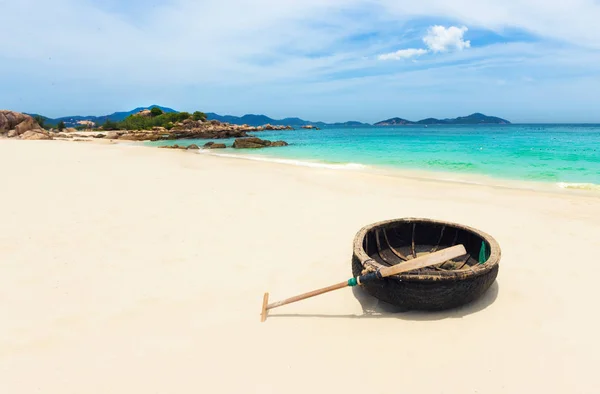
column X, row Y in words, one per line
column 448, row 285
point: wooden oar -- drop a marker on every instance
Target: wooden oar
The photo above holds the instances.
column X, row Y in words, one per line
column 419, row 262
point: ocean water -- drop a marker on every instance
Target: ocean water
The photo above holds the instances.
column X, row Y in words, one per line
column 565, row 155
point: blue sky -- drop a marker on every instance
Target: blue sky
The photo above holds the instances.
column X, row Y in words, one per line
column 329, row 60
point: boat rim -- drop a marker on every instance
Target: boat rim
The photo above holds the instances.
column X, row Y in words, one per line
column 480, row 269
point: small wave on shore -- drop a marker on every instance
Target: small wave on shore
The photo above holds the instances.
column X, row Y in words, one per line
column 579, row 186
column 301, row 163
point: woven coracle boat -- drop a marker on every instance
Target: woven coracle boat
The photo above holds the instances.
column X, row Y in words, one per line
column 448, row 285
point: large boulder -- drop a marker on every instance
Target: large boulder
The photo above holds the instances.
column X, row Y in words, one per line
column 37, row 134
column 254, row 143
column 212, row 145
column 15, row 124
column 10, row 119
column 250, row 143
column 28, row 124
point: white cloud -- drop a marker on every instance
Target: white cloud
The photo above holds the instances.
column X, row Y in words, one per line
column 442, row 39
column 402, row 54
column 438, row 39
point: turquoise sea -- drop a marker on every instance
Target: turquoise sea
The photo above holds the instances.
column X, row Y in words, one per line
column 565, row 155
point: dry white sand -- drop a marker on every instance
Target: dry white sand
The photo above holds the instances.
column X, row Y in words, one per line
column 135, row 270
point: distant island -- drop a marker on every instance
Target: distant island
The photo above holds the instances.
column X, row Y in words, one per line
column 475, row 118
column 249, row 119
column 260, row 120
column 79, row 121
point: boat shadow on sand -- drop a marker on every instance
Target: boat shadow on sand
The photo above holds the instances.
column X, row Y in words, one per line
column 376, row 309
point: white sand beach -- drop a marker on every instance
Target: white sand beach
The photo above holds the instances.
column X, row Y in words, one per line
column 128, row 269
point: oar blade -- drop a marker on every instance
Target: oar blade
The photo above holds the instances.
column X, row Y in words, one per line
column 425, row 261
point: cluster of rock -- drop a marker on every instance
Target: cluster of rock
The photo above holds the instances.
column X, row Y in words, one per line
column 239, row 143
column 18, row 125
column 192, row 129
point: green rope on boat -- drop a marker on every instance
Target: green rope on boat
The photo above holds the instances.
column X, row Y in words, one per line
column 352, row 282
column 483, row 254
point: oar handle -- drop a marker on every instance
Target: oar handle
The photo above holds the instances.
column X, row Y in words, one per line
column 304, row 296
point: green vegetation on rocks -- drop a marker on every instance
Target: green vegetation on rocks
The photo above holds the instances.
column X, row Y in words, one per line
column 158, row 118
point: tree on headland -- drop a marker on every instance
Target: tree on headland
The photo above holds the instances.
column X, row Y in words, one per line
column 168, row 120
column 156, row 112
column 61, row 126
column 199, row 116
column 40, row 120
column 110, row 125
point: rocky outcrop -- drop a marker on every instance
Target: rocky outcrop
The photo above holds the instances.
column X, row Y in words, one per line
column 250, row 143
column 255, row 143
column 140, row 136
column 63, row 135
column 212, row 145
column 188, row 129
column 17, row 125
column 144, row 112
column 10, row 119
column 37, row 134
column 192, row 146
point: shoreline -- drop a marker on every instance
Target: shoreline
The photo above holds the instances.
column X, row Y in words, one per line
column 568, row 188
column 573, row 188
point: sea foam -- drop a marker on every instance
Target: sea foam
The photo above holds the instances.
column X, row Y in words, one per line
column 579, row 186
column 301, row 163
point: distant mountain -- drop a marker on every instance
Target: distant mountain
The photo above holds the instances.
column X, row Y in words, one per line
column 71, row 121
column 475, row 118
column 249, row 119
column 260, row 120
column 394, row 122
column 432, row 121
